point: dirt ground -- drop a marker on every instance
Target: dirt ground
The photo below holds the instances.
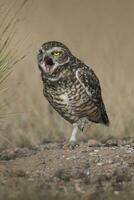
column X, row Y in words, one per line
column 93, row 170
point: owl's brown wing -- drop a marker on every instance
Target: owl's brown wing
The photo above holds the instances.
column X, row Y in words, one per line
column 91, row 85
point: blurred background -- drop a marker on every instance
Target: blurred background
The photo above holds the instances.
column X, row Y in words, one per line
column 100, row 33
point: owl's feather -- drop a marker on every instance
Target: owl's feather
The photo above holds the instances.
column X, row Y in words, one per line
column 91, row 85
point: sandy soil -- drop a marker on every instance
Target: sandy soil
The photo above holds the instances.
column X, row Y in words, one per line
column 52, row 170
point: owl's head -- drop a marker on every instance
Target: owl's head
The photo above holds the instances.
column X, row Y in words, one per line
column 53, row 55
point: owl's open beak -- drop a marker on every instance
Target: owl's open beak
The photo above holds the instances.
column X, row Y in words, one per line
column 48, row 61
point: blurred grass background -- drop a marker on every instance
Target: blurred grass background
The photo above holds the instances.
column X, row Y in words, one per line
column 30, row 192
column 98, row 32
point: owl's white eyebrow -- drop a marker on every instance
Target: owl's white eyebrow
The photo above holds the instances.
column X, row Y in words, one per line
column 54, row 49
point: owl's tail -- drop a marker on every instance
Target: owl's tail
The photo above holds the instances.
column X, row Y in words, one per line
column 104, row 118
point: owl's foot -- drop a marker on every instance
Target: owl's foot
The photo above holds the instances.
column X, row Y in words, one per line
column 70, row 145
column 73, row 144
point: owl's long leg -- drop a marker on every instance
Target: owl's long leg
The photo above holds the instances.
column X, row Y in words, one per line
column 73, row 139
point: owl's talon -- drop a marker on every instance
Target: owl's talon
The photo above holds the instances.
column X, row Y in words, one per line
column 73, row 144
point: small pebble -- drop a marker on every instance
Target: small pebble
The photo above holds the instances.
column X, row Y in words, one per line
column 116, row 192
column 100, row 164
column 72, row 158
column 96, row 150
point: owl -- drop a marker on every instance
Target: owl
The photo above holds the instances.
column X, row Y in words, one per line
column 71, row 87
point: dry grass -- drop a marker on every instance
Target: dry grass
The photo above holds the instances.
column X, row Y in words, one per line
column 8, row 55
column 98, row 32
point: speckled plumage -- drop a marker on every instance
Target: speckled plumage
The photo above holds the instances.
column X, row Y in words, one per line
column 71, row 87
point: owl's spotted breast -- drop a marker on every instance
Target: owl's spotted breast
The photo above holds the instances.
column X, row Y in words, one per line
column 60, row 96
column 70, row 100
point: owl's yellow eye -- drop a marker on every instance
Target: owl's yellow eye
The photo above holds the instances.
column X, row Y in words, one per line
column 56, row 53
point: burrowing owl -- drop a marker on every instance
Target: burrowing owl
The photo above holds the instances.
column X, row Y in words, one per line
column 71, row 87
